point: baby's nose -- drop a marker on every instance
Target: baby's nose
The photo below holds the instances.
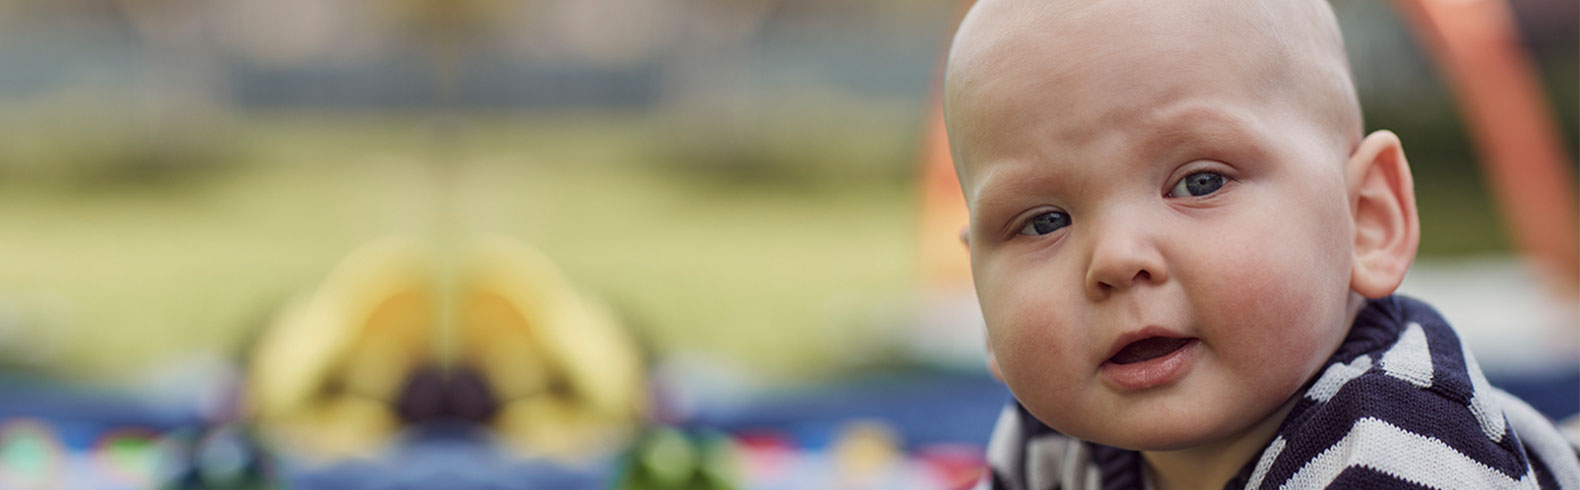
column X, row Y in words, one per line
column 1122, row 259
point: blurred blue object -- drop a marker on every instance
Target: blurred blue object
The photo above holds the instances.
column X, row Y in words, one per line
column 924, row 407
column 447, row 455
column 54, row 435
column 1555, row 394
column 59, row 436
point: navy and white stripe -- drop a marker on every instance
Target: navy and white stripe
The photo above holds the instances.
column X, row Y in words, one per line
column 1401, row 404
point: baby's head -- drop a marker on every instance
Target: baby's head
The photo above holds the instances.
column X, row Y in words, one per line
column 1174, row 215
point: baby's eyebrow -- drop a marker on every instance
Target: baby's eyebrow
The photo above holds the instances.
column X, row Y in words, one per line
column 1193, row 118
column 1191, row 128
column 991, row 185
column 999, row 191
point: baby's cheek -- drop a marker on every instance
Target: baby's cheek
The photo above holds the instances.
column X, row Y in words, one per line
column 1244, row 271
column 1026, row 320
column 1277, row 315
column 1035, row 347
column 1032, row 348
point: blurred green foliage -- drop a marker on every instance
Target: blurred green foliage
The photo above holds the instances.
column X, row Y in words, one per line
column 83, row 139
column 815, row 143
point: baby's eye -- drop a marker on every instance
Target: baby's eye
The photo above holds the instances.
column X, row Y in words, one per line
column 1045, row 223
column 1197, row 184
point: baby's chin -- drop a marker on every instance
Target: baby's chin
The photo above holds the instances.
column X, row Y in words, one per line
column 1196, row 427
column 1180, row 436
column 1149, row 431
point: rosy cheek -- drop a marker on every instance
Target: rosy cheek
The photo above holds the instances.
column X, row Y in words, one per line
column 1271, row 305
column 1032, row 338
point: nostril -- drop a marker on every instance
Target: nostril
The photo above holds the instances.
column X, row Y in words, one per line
column 1142, row 275
column 1099, row 290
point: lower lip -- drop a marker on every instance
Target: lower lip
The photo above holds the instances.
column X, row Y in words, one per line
column 1151, row 373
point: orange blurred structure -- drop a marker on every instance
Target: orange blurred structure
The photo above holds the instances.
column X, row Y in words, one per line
column 945, row 262
column 1476, row 46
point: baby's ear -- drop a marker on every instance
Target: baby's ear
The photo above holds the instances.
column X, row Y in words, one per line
column 1382, row 202
column 992, row 363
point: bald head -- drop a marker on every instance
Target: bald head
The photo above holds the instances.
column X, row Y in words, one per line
column 1287, row 55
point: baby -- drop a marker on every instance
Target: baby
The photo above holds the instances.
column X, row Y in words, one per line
column 1185, row 251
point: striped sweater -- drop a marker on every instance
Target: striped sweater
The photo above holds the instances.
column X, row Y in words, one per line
column 1401, row 404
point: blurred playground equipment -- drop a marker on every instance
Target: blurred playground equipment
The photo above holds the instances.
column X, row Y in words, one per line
column 394, row 338
column 1477, row 48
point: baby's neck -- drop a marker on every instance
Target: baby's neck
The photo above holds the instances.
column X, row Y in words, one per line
column 1208, row 467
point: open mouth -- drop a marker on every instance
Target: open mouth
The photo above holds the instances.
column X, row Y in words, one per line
column 1148, row 349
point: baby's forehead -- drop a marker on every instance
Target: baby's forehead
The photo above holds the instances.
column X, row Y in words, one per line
column 1073, row 53
column 1001, row 40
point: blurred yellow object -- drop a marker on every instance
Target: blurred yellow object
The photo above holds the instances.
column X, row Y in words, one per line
column 560, row 376
column 863, row 451
column 568, row 377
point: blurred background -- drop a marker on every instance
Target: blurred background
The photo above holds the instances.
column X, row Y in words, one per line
column 735, row 183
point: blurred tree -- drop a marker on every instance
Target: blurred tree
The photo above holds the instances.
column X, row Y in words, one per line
column 183, row 108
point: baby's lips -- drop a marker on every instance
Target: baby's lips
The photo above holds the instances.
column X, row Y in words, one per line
column 1131, row 337
column 1148, row 349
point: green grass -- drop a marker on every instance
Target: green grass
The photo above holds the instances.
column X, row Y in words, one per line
column 110, row 279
